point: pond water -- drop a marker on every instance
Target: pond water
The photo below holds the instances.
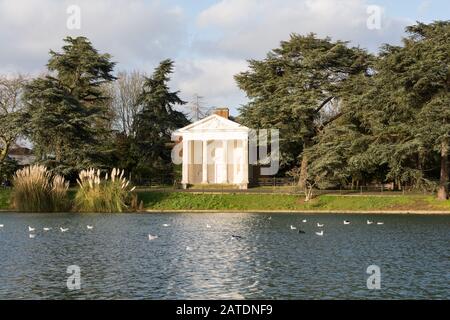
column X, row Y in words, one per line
column 196, row 257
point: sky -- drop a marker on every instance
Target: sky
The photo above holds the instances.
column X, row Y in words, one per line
column 209, row 40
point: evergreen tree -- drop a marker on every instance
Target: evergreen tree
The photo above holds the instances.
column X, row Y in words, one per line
column 422, row 72
column 155, row 122
column 294, row 89
column 397, row 121
column 68, row 119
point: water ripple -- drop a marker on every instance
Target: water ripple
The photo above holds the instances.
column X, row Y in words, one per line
column 270, row 261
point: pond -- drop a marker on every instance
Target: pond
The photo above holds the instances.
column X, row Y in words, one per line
column 195, row 256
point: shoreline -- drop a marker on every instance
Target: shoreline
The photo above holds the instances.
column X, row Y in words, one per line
column 180, row 202
column 336, row 212
column 307, row 212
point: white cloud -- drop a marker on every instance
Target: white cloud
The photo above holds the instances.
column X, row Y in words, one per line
column 133, row 31
column 250, row 28
column 211, row 78
column 228, row 13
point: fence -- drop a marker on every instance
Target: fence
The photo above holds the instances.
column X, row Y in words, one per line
column 285, row 185
column 274, row 181
column 160, row 181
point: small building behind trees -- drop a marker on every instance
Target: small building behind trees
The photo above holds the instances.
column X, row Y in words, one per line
column 22, row 155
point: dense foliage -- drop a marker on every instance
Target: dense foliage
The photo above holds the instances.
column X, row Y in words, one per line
column 390, row 120
column 297, row 89
column 66, row 108
column 155, row 122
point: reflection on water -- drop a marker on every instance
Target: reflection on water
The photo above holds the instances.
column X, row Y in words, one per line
column 270, row 261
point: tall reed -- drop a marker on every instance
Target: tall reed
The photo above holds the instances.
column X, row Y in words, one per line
column 96, row 194
column 59, row 187
column 36, row 190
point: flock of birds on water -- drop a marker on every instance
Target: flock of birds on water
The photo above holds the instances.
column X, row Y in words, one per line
column 32, row 231
column 321, row 225
column 320, row 233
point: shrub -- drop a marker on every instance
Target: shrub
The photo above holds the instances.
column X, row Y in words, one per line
column 36, row 190
column 58, row 194
column 7, row 169
column 97, row 194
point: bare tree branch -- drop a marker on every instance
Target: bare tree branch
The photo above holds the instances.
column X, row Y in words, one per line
column 11, row 105
column 125, row 92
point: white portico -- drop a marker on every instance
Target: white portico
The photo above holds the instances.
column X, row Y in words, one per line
column 215, row 151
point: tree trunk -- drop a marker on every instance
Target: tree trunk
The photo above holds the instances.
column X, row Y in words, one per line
column 304, row 165
column 4, row 151
column 443, row 181
column 308, row 193
column 58, row 150
column 303, row 173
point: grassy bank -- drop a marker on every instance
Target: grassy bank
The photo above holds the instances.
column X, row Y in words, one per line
column 248, row 201
column 190, row 201
column 5, row 196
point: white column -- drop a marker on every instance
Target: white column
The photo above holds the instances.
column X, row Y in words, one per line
column 245, row 163
column 205, row 162
column 185, row 169
column 225, row 156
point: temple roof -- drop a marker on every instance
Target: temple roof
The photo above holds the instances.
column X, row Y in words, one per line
column 212, row 123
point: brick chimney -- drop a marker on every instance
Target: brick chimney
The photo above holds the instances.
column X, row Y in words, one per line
column 223, row 112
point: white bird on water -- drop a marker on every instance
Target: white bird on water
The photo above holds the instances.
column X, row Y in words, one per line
column 2, row 225
column 319, row 225
column 292, row 227
column 63, row 229
column 369, row 222
column 46, row 229
column 320, row 233
column 166, row 225
column 380, row 223
column 150, row 237
column 90, row 227
column 31, row 229
column 32, row 236
column 346, row 222
column 304, row 220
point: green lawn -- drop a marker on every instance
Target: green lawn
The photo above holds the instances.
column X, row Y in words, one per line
column 5, row 195
column 191, row 201
column 251, row 201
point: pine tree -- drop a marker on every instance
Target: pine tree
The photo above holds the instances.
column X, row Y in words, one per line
column 424, row 77
column 67, row 108
column 155, row 122
column 293, row 88
column 396, row 127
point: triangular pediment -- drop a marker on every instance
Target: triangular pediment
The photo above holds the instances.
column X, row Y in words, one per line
column 212, row 123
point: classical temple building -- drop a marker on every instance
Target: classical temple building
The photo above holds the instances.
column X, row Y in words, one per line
column 215, row 151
